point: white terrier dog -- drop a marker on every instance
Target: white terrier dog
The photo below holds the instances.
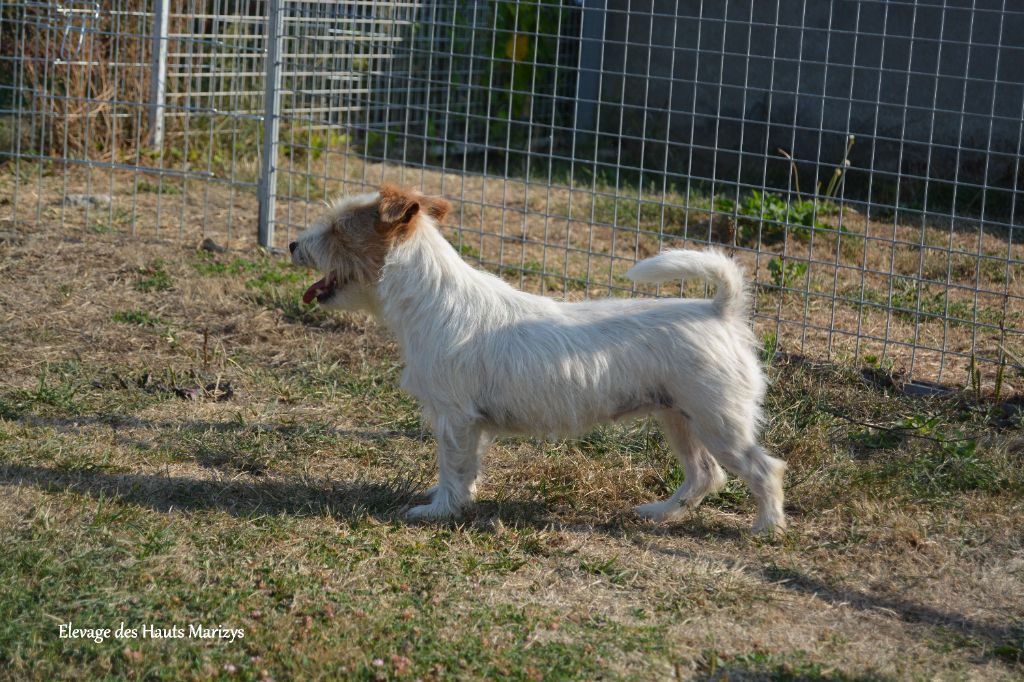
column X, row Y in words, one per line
column 485, row 359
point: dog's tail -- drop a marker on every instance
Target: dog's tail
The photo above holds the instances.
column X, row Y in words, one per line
column 711, row 265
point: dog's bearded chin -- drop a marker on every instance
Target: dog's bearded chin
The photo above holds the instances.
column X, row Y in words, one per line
column 321, row 290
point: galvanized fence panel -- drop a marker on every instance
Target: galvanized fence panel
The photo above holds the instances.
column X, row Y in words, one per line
column 93, row 138
column 860, row 157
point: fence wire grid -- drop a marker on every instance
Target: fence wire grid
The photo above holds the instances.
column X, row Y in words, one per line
column 861, row 158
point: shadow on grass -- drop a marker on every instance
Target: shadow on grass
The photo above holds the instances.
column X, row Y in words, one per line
column 255, row 496
column 328, row 496
column 997, row 641
column 116, row 421
column 163, row 493
column 249, row 496
column 1004, row 642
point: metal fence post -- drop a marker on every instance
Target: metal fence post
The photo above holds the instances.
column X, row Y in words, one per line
column 271, row 125
column 591, row 51
column 158, row 71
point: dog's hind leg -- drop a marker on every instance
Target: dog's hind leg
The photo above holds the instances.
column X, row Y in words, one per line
column 459, row 448
column 759, row 470
column 703, row 475
column 764, row 474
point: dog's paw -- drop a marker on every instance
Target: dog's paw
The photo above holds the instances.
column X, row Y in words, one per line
column 429, row 511
column 769, row 526
column 658, row 511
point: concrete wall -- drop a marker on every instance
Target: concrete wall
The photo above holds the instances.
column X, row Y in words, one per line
column 709, row 88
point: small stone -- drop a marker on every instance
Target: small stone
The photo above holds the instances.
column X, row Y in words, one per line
column 212, row 246
column 88, row 200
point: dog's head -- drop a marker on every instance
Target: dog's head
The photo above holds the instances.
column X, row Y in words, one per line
column 352, row 241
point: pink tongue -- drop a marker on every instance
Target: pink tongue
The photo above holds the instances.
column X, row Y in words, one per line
column 312, row 291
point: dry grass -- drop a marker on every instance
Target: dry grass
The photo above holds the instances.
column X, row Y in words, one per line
column 85, row 78
column 136, row 487
column 72, row 69
column 922, row 300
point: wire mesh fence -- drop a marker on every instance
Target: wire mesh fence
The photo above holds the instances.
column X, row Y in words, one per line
column 860, row 157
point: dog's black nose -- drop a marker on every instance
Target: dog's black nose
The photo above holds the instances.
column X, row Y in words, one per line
column 291, row 247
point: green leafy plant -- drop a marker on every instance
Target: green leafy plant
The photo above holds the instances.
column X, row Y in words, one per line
column 785, row 274
column 772, row 215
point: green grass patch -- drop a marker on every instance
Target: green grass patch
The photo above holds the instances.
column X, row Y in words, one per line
column 532, row 270
column 102, row 227
column 252, row 449
column 646, row 213
column 153, row 277
column 375, row 603
column 759, row 215
column 921, row 458
column 608, row 568
column 274, row 283
column 289, row 301
column 211, row 264
column 468, row 251
column 914, row 300
column 141, row 318
column 274, row 276
column 56, row 392
column 637, row 438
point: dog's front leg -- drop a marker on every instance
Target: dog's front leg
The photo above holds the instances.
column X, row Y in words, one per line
column 471, row 474
column 458, row 459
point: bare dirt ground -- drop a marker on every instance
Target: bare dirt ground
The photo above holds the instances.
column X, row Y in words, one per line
column 181, row 442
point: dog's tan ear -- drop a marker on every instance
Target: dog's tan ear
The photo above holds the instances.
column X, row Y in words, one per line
column 397, row 208
column 438, row 208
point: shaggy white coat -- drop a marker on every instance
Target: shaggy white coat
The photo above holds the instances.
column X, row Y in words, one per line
column 485, row 359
